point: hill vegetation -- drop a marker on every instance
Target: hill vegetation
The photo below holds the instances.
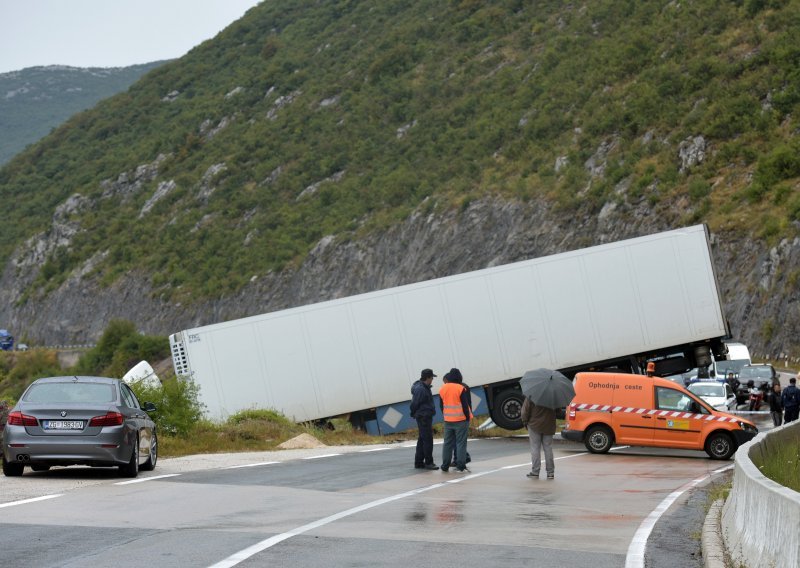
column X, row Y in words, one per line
column 35, row 100
column 307, row 119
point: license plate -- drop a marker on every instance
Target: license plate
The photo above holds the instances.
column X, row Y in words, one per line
column 62, row 424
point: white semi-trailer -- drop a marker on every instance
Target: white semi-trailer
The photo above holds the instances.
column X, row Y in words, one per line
column 615, row 306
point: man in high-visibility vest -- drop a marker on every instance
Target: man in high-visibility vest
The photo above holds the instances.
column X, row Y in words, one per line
column 455, row 404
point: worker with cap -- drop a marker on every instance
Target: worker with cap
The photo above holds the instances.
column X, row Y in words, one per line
column 422, row 410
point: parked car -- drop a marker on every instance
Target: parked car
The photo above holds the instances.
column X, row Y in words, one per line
column 763, row 377
column 94, row 421
column 719, row 396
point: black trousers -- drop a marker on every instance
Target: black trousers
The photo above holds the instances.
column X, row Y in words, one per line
column 424, row 454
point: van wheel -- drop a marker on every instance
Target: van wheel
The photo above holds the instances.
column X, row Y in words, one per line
column 720, row 446
column 508, row 409
column 599, row 439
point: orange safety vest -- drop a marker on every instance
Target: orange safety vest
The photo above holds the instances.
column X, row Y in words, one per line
column 450, row 394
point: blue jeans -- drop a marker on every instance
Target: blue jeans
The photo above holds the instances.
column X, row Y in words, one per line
column 455, row 434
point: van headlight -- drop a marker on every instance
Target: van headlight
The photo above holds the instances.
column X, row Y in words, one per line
column 747, row 428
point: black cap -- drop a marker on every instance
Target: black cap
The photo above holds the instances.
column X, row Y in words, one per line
column 426, row 374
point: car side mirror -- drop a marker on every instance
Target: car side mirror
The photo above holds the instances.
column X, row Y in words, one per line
column 149, row 407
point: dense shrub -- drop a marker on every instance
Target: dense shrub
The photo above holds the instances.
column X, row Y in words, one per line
column 120, row 348
column 178, row 407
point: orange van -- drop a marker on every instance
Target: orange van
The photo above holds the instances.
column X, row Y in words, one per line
column 635, row 410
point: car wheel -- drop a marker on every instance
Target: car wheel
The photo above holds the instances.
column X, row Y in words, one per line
column 507, row 409
column 131, row 469
column 12, row 469
column 150, row 464
column 599, row 439
column 720, row 446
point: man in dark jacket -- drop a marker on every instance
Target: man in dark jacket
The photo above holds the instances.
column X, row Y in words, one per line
column 791, row 401
column 541, row 424
column 422, row 410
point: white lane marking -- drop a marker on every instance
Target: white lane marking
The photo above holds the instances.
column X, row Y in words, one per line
column 635, row 556
column 375, row 450
column 249, row 465
column 322, row 456
column 246, row 553
column 143, row 479
column 33, row 500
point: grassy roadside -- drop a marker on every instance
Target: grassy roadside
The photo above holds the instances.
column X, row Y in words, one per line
column 782, row 465
column 260, row 430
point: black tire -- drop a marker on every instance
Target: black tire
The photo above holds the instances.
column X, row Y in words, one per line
column 150, row 464
column 599, row 439
column 12, row 469
column 507, row 409
column 131, row 469
column 720, row 446
column 40, row 467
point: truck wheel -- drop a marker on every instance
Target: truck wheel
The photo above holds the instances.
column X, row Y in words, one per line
column 599, row 439
column 720, row 446
column 507, row 409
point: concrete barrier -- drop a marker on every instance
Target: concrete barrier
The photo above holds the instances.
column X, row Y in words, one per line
column 760, row 518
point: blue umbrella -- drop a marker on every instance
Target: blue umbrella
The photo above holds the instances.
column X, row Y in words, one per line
column 547, row 388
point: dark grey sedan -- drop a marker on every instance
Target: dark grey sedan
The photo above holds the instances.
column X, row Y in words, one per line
column 94, row 421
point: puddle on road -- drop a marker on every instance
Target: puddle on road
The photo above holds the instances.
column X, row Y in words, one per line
column 446, row 512
column 538, row 508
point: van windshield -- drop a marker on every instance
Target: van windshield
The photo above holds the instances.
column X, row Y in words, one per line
column 671, row 399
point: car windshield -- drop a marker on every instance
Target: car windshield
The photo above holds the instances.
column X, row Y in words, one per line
column 71, row 392
column 755, row 373
column 702, row 389
column 725, row 367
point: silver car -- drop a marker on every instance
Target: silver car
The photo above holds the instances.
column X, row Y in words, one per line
column 94, row 421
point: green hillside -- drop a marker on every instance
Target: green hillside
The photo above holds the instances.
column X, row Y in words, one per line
column 35, row 100
column 305, row 119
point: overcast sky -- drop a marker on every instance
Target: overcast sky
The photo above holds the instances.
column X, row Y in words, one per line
column 108, row 33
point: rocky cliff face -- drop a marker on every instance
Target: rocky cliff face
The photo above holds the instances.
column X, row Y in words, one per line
column 759, row 284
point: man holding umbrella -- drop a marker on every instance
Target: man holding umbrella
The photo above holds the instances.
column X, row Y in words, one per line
column 544, row 391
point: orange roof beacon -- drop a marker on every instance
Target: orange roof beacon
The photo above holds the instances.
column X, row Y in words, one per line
column 636, row 410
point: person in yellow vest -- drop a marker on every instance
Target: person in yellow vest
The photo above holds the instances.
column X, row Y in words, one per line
column 455, row 405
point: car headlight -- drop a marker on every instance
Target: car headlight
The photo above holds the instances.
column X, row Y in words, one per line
column 747, row 428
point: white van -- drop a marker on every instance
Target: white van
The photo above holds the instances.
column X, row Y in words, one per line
column 738, row 357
